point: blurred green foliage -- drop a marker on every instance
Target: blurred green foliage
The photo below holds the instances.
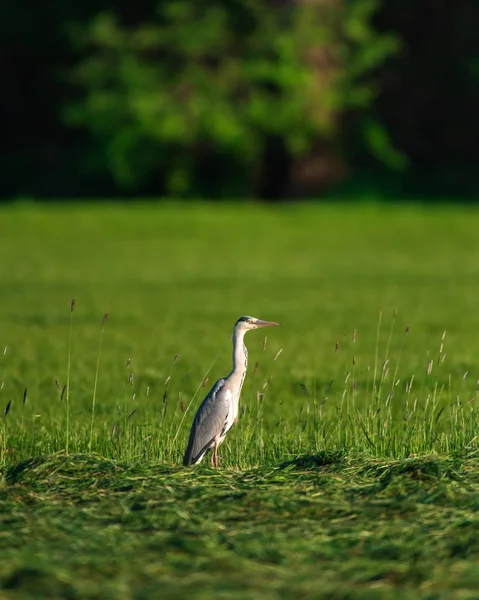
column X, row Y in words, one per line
column 208, row 86
column 377, row 95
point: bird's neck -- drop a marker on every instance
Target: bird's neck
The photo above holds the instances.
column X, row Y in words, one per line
column 240, row 355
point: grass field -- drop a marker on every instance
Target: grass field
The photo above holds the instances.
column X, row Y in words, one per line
column 352, row 471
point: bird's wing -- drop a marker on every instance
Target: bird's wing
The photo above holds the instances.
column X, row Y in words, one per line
column 209, row 422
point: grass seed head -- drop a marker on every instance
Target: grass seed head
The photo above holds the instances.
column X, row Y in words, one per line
column 267, row 382
column 408, row 386
column 72, row 305
column 7, row 408
column 305, row 389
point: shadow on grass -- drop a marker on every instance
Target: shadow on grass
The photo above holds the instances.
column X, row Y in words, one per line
column 41, row 580
column 416, row 469
column 15, row 473
column 313, row 461
column 421, row 480
column 83, row 470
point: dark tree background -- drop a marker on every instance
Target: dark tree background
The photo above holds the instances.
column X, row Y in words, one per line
column 270, row 98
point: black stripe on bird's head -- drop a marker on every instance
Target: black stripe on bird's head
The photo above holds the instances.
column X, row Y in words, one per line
column 247, row 323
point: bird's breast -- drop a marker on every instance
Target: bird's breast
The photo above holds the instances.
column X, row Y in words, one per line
column 230, row 397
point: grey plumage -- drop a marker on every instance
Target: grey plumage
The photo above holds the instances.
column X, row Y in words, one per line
column 219, row 409
column 210, row 419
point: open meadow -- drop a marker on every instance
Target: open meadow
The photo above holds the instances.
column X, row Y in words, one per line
column 353, row 470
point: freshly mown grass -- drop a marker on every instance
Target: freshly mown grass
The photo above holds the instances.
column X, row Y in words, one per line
column 352, row 471
column 322, row 527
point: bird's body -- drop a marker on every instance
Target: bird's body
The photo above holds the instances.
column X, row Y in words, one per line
column 219, row 410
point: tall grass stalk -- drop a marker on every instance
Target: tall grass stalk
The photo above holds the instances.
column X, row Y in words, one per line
column 105, row 318
column 127, row 405
column 5, row 413
column 376, row 357
column 67, row 398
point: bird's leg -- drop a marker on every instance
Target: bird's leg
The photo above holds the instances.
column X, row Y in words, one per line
column 214, row 457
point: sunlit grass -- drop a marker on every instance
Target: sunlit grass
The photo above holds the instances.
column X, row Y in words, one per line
column 380, row 413
column 362, row 361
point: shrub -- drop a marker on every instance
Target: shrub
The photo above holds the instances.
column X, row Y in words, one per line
column 199, row 93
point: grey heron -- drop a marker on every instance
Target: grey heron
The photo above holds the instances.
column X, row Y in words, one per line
column 219, row 410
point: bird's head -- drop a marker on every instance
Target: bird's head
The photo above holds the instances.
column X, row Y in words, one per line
column 248, row 323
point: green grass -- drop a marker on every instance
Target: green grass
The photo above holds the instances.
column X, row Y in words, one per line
column 352, row 471
column 89, row 527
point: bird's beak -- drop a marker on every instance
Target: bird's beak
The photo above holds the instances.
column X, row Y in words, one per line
column 260, row 323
